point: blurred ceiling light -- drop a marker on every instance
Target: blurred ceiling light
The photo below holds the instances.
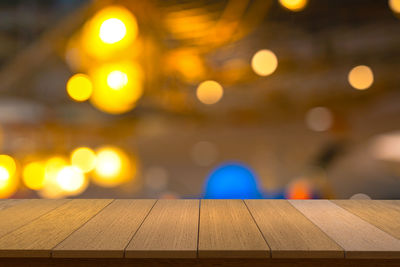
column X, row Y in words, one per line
column 209, row 92
column 84, row 158
column 117, row 87
column 71, row 180
column 8, row 179
column 264, row 62
column 113, row 167
column 117, row 79
column 204, row 153
column 156, row 178
column 33, row 175
column 386, row 147
column 361, row 77
column 360, row 196
column 112, row 30
column 79, row 87
column 294, row 5
column 394, row 5
column 319, row 119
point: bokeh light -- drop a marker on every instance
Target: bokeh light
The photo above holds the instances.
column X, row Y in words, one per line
column 264, row 62
column 209, row 92
column 232, row 181
column 361, row 77
column 8, row 179
column 319, row 119
column 51, row 187
column 113, row 167
column 360, row 196
column 33, row 175
column 84, row 158
column 117, row 87
column 294, row 5
column 156, row 178
column 112, row 30
column 386, row 147
column 79, row 87
column 394, row 5
column 299, row 189
column 71, row 180
column 204, row 153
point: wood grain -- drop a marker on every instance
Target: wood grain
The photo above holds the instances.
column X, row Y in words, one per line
column 227, row 230
column 7, row 203
column 289, row 233
column 380, row 213
column 358, row 238
column 37, row 238
column 18, row 215
column 169, row 231
column 108, row 233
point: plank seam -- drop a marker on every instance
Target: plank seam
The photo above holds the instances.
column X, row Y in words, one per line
column 52, row 249
column 270, row 250
column 37, row 218
column 155, row 202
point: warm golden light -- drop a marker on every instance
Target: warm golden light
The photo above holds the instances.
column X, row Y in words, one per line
column 294, row 5
column 84, row 158
column 117, row 87
column 394, row 5
column 71, row 180
column 117, row 79
column 8, row 181
column 361, row 77
column 113, row 167
column 51, row 188
column 79, row 87
column 112, row 30
column 33, row 175
column 264, row 62
column 209, row 92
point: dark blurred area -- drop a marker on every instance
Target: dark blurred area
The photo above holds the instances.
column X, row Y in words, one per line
column 193, row 99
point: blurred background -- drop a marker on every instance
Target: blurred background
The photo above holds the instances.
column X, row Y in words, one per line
column 200, row 99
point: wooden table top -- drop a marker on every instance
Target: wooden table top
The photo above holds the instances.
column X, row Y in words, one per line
column 147, row 228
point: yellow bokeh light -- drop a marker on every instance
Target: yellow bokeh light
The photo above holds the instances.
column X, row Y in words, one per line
column 112, row 31
column 79, row 87
column 33, row 175
column 264, row 62
column 84, row 158
column 117, row 87
column 117, row 79
column 361, row 77
column 113, row 167
column 51, row 188
column 8, row 179
column 209, row 92
column 394, row 5
column 71, row 180
column 294, row 5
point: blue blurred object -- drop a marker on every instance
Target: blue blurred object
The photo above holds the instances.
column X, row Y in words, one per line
column 232, row 181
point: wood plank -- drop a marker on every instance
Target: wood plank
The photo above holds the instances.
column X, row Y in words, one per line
column 37, row 238
column 227, row 230
column 358, row 238
column 16, row 216
column 169, row 231
column 7, row 203
column 380, row 213
column 108, row 233
column 289, row 233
